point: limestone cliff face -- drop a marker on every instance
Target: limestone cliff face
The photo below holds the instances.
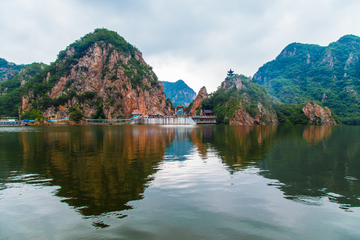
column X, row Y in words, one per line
column 263, row 117
column 236, row 81
column 318, row 115
column 103, row 81
column 197, row 103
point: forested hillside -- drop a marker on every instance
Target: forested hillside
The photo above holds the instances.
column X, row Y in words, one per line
column 11, row 90
column 306, row 72
column 239, row 101
column 8, row 70
column 179, row 92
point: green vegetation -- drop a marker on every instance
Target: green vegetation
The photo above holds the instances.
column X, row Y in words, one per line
column 32, row 114
column 40, row 79
column 225, row 101
column 330, row 75
column 178, row 92
column 11, row 92
column 291, row 114
column 76, row 115
column 9, row 70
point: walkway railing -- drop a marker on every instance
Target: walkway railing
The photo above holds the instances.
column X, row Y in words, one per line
column 94, row 120
column 60, row 119
column 108, row 120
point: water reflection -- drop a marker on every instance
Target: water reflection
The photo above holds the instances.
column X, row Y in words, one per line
column 237, row 146
column 307, row 173
column 101, row 168
column 315, row 134
column 98, row 169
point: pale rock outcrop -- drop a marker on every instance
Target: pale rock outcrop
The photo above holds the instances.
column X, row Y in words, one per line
column 263, row 117
column 200, row 97
column 318, row 115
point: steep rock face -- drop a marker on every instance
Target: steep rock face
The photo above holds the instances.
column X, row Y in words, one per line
column 197, row 103
column 179, row 93
column 107, row 79
column 318, row 115
column 263, row 117
column 235, row 81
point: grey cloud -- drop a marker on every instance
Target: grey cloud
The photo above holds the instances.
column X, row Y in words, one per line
column 206, row 36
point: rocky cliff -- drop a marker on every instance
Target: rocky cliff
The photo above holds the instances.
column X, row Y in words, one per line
column 102, row 75
column 196, row 105
column 263, row 116
column 318, row 115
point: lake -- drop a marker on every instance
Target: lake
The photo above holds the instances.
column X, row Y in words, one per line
column 180, row 182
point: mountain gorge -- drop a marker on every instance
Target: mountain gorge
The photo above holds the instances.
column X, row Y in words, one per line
column 308, row 72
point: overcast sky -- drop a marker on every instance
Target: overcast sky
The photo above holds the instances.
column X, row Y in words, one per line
column 193, row 40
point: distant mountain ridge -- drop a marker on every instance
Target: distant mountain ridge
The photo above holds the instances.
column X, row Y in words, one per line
column 8, row 69
column 179, row 92
column 307, row 72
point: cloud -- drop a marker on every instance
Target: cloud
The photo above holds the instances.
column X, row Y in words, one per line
column 197, row 41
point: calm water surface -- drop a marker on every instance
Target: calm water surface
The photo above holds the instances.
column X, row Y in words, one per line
column 179, row 182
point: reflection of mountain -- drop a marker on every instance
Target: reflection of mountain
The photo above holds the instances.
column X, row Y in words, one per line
column 239, row 146
column 328, row 168
column 98, row 169
column 180, row 147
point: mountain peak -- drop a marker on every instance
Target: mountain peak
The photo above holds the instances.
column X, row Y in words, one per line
column 349, row 38
column 179, row 92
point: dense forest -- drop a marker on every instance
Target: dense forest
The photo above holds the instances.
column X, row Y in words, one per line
column 11, row 90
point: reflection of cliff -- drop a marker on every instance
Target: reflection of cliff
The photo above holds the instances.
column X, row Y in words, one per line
column 308, row 172
column 199, row 135
column 239, row 146
column 314, row 134
column 100, row 169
